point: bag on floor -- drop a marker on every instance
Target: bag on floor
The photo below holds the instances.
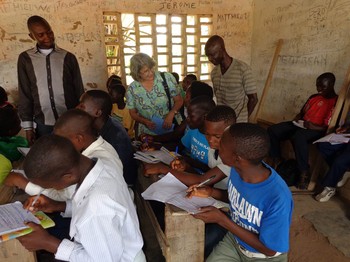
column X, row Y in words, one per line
column 289, row 171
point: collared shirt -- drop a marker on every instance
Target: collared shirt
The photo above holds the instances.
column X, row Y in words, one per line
column 99, row 149
column 232, row 88
column 213, row 162
column 48, row 85
column 104, row 222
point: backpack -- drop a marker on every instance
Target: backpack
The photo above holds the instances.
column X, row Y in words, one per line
column 289, row 171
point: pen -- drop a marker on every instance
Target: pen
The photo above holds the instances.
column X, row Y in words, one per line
column 34, row 201
column 206, row 181
column 177, row 148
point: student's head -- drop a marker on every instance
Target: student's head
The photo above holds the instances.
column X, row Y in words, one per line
column 216, row 121
column 41, row 32
column 10, row 124
column 77, row 126
column 3, row 96
column 52, row 162
column 244, row 142
column 198, row 88
column 112, row 80
column 197, row 111
column 96, row 103
column 215, row 49
column 188, row 81
column 325, row 83
column 117, row 92
column 142, row 67
column 176, row 76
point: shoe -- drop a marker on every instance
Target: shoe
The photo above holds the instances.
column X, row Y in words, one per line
column 326, row 194
column 343, row 181
column 304, row 180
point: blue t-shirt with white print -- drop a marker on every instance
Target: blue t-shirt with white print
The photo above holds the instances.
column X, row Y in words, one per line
column 264, row 208
column 196, row 143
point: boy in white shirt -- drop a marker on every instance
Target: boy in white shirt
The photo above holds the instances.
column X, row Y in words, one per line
column 104, row 221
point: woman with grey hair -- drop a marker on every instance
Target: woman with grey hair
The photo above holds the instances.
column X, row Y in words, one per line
column 147, row 99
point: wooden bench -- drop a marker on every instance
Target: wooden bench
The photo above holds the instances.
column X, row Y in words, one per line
column 183, row 236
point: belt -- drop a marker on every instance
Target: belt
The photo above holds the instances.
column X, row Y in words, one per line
column 250, row 254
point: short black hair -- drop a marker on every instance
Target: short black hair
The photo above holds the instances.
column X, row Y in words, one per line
column 50, row 157
column 250, row 141
column 118, row 88
column 203, row 103
column 191, row 77
column 222, row 113
column 102, row 100
column 35, row 19
column 74, row 118
column 328, row 77
column 113, row 79
column 199, row 88
column 3, row 95
column 10, row 121
column 177, row 77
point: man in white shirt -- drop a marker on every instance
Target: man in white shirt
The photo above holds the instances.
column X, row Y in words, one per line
column 104, row 220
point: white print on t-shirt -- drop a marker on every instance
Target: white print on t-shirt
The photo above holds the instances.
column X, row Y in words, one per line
column 196, row 150
column 243, row 210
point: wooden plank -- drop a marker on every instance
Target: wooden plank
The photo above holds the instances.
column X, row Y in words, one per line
column 13, row 251
column 269, row 78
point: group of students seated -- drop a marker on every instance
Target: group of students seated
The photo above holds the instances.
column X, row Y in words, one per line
column 85, row 171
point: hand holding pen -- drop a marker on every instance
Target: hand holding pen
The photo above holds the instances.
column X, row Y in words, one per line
column 200, row 190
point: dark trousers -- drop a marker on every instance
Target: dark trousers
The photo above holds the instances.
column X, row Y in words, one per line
column 338, row 159
column 299, row 137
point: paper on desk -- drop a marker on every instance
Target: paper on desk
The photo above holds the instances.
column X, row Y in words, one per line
column 13, row 216
column 170, row 190
column 155, row 156
column 334, row 139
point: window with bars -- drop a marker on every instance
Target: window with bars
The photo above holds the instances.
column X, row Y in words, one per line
column 176, row 42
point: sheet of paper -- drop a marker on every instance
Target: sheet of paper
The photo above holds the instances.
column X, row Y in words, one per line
column 154, row 156
column 159, row 130
column 13, row 216
column 299, row 123
column 334, row 138
column 170, row 190
column 23, row 150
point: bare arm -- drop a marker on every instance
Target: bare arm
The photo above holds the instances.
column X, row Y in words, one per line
column 252, row 101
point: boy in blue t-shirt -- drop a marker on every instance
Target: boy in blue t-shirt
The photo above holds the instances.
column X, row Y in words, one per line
column 194, row 140
column 260, row 202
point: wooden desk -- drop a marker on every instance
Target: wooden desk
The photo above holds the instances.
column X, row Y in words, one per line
column 183, row 237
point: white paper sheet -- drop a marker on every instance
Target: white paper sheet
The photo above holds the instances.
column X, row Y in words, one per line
column 23, row 150
column 170, row 190
column 13, row 216
column 334, row 138
column 154, row 156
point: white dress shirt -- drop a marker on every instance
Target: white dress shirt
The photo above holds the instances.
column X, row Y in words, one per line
column 104, row 222
column 100, row 149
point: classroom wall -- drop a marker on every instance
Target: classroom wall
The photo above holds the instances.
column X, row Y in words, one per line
column 78, row 27
column 316, row 36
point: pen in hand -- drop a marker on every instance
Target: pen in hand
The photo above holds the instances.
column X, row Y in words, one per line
column 33, row 203
column 202, row 183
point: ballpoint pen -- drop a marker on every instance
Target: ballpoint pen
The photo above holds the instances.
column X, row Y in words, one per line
column 34, row 201
column 203, row 183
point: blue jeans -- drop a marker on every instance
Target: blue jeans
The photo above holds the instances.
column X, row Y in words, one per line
column 42, row 130
column 300, row 139
column 338, row 159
